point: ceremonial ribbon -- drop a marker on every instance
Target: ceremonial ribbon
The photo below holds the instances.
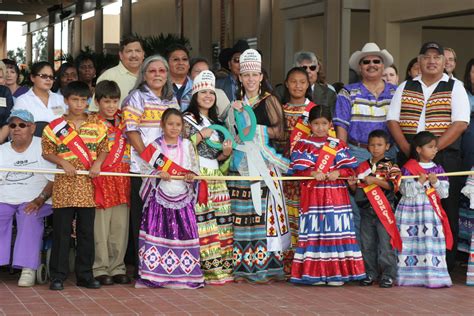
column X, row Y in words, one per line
column 381, row 206
column 414, row 168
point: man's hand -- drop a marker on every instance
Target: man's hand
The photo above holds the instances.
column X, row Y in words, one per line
column 68, row 168
column 34, row 205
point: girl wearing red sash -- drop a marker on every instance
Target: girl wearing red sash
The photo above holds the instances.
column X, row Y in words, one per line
column 327, row 251
column 422, row 225
column 296, row 111
column 169, row 240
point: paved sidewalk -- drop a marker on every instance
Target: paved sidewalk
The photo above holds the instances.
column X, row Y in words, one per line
column 236, row 299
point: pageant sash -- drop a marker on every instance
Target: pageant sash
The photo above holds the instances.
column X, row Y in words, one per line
column 301, row 129
column 327, row 155
column 115, row 154
column 382, row 207
column 162, row 163
column 113, row 159
column 325, row 160
column 415, row 169
column 71, row 139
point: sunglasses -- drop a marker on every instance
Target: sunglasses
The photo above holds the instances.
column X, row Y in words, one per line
column 373, row 61
column 20, row 125
column 45, row 76
column 312, row 67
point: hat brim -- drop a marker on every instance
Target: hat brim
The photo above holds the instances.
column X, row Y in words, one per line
column 355, row 58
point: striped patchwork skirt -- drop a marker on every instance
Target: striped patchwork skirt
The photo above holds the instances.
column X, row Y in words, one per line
column 169, row 243
column 422, row 261
column 252, row 260
column 327, row 248
column 216, row 233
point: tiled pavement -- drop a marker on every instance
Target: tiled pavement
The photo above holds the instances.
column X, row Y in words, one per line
column 236, row 299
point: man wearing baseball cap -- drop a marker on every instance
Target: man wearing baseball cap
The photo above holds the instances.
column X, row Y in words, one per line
column 433, row 102
column 24, row 196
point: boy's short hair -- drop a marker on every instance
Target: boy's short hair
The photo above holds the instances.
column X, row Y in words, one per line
column 77, row 88
column 107, row 89
column 379, row 133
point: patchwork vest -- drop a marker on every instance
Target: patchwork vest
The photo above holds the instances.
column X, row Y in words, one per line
column 438, row 108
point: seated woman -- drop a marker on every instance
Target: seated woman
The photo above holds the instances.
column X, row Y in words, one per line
column 23, row 196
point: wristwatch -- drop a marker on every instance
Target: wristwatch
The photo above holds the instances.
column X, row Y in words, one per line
column 43, row 196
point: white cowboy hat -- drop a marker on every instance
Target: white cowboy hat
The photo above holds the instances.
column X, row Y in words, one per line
column 367, row 50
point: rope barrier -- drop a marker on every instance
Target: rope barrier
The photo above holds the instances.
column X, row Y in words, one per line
column 211, row 178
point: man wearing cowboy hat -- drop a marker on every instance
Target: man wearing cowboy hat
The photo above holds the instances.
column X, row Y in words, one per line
column 230, row 57
column 433, row 102
column 361, row 107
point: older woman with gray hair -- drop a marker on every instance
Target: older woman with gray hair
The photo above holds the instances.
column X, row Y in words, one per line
column 142, row 111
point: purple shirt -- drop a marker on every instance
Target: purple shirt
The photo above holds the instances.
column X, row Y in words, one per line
column 359, row 112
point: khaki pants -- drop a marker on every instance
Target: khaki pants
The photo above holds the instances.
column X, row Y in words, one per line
column 111, row 236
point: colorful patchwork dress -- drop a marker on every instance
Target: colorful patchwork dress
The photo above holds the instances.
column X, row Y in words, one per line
column 214, row 218
column 327, row 250
column 466, row 227
column 422, row 261
column 259, row 240
column 169, row 240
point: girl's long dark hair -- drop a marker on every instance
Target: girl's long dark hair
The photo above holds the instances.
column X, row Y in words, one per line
column 194, row 110
column 467, row 76
column 420, row 139
column 320, row 111
column 286, row 94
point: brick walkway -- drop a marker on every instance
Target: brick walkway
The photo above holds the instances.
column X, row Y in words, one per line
column 236, row 299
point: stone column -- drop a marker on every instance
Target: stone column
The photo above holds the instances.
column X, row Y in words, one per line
column 264, row 32
column 126, row 18
column 29, row 48
column 332, row 40
column 205, row 29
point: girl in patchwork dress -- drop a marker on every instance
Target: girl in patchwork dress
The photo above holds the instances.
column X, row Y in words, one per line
column 169, row 241
column 327, row 250
column 421, row 220
column 214, row 217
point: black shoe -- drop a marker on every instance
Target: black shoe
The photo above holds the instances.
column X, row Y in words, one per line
column 386, row 283
column 105, row 279
column 121, row 279
column 368, row 281
column 90, row 284
column 56, row 285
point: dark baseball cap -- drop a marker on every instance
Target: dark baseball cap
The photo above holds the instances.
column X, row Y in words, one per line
column 431, row 45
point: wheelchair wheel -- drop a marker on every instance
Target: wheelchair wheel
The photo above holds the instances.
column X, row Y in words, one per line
column 42, row 274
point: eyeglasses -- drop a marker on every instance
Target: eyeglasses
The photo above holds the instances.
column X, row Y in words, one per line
column 45, row 76
column 373, row 61
column 312, row 67
column 21, row 125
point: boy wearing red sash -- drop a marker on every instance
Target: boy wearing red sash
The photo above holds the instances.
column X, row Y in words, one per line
column 375, row 195
column 75, row 141
column 112, row 193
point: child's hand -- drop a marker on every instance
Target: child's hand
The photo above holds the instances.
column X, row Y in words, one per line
column 318, row 175
column 352, row 180
column 422, row 178
column 433, row 178
column 333, row 175
column 369, row 180
column 68, row 168
column 94, row 171
column 189, row 177
column 227, row 148
column 165, row 176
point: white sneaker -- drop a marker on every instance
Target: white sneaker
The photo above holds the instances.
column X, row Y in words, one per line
column 27, row 277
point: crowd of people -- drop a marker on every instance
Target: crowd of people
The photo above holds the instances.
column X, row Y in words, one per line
column 370, row 201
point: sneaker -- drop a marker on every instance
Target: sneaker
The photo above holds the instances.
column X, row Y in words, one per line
column 386, row 282
column 368, row 281
column 335, row 283
column 27, row 278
